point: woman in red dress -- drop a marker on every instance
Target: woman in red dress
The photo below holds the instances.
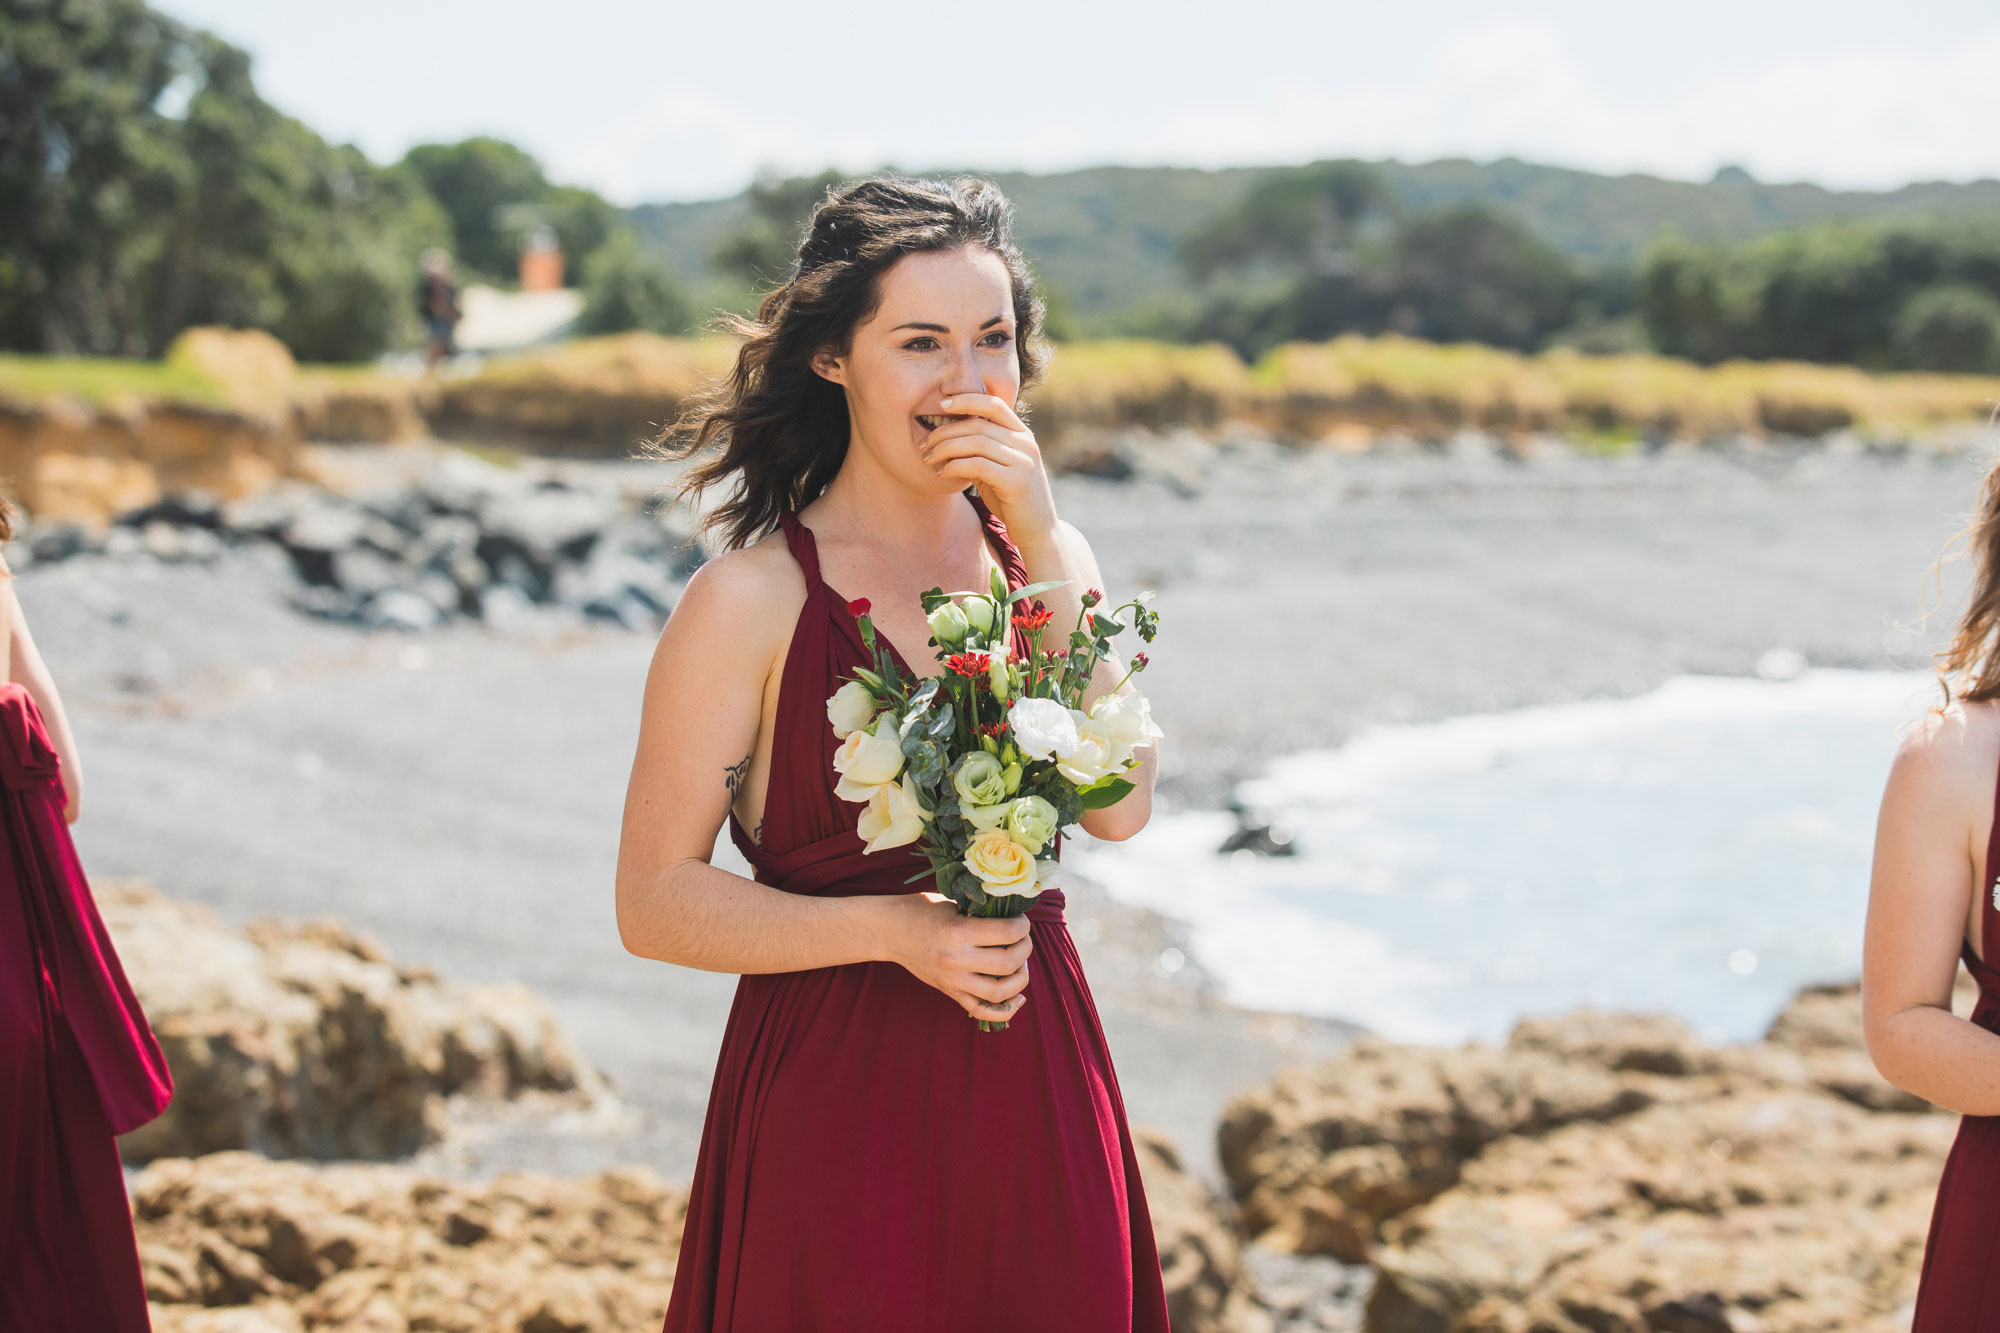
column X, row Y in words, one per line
column 872, row 1161
column 78, row 1064
column 1934, row 900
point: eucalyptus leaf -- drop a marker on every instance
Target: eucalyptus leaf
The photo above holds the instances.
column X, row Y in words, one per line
column 941, row 724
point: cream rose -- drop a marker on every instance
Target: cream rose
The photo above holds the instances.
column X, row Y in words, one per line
column 1090, row 761
column 1043, row 728
column 894, row 816
column 850, row 709
column 1128, row 721
column 1004, row 865
column 867, row 759
column 985, row 816
column 996, row 673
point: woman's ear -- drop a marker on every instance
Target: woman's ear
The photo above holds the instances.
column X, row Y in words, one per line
column 829, row 367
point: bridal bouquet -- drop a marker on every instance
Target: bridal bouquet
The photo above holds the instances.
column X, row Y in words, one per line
column 987, row 763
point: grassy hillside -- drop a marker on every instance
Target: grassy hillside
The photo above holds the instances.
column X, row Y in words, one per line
column 1106, row 236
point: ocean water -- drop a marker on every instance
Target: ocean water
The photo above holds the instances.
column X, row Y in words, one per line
column 1702, row 850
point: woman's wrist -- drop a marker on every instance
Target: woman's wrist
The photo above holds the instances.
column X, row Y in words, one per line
column 878, row 932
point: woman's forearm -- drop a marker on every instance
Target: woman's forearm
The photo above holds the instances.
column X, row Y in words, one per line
column 1939, row 1057
column 697, row 915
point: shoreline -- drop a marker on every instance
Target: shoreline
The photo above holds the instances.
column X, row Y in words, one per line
column 487, row 765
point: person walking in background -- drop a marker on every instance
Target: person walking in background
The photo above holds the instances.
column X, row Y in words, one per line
column 870, row 1159
column 437, row 306
column 78, row 1064
column 1935, row 900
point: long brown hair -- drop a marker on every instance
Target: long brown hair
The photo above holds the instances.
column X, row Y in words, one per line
column 6, row 535
column 779, row 429
column 1971, row 661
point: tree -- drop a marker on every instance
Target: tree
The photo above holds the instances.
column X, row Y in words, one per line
column 1310, row 219
column 624, row 288
column 1951, row 326
column 763, row 249
column 491, row 190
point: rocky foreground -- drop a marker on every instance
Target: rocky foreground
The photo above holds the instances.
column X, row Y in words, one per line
column 304, row 1040
column 1604, row 1174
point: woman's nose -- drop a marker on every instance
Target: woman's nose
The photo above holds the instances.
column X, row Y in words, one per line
column 963, row 376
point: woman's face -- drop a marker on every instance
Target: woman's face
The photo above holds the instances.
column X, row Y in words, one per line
column 945, row 326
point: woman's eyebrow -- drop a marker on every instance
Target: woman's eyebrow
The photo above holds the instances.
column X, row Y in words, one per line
column 939, row 328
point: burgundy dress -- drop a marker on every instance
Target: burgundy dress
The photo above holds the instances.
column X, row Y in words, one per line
column 1960, row 1287
column 872, row 1161
column 77, row 1064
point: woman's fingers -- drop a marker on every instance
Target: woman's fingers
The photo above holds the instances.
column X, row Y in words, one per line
column 986, row 405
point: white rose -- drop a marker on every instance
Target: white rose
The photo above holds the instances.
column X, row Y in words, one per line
column 850, row 709
column 1043, row 728
column 1091, row 760
column 1128, row 721
column 867, row 759
column 894, row 817
column 1049, row 874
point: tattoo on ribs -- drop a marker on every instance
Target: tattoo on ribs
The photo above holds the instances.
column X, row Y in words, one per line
column 732, row 777
column 757, row 834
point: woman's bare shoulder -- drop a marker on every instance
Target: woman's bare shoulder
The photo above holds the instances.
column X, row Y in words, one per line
column 1952, row 749
column 748, row 598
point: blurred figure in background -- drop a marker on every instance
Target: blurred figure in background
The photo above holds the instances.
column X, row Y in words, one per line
column 437, row 304
column 78, row 1064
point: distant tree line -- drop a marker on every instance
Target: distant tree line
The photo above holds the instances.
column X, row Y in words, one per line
column 1324, row 250
column 145, row 187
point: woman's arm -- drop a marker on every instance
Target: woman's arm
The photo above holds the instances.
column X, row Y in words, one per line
column 703, row 707
column 25, row 666
column 1919, row 900
column 1068, row 556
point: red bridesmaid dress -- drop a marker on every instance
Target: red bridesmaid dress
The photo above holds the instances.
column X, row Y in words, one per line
column 871, row 1161
column 78, row 1064
column 1960, row 1287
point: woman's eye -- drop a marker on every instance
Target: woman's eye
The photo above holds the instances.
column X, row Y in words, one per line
column 998, row 338
column 920, row 344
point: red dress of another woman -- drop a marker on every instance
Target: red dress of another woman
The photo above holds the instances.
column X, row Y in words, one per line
column 872, row 1162
column 78, row 1064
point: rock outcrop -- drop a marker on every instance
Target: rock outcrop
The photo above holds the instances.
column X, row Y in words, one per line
column 236, row 1243
column 233, row 1243
column 1603, row 1174
column 305, row 1040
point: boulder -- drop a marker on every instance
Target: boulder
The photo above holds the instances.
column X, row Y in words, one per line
column 1208, row 1288
column 305, row 1040
column 1604, row 1173
column 235, row 1243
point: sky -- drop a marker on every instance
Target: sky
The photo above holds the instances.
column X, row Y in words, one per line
column 649, row 102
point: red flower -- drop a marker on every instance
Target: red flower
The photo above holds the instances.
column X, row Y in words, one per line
column 858, row 607
column 1139, row 661
column 992, row 729
column 1029, row 621
column 1092, row 597
column 969, row 664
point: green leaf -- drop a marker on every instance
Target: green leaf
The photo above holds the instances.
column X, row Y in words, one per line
column 1105, row 626
column 933, row 599
column 1035, row 589
column 868, row 678
column 1106, row 793
column 942, row 724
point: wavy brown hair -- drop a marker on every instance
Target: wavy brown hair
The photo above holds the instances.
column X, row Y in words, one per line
column 1971, row 661
column 774, row 426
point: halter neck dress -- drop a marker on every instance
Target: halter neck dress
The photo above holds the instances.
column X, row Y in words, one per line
column 872, row 1162
column 1959, row 1289
column 78, row 1064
